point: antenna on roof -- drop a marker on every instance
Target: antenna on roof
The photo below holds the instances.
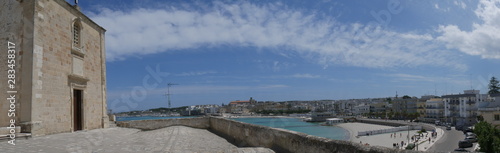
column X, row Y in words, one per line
column 435, row 90
column 470, row 81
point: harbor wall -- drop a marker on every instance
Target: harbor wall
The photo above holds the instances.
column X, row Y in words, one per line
column 425, row 126
column 250, row 135
column 281, row 140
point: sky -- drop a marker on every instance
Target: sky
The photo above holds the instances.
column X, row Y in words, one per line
column 280, row 50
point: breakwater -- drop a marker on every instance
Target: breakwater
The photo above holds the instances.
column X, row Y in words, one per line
column 250, row 135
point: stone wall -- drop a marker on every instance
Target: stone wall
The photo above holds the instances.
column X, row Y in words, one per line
column 199, row 122
column 54, row 70
column 46, row 69
column 280, row 140
column 425, row 126
column 249, row 135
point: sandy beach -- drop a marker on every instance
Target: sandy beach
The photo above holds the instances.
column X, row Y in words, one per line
column 385, row 140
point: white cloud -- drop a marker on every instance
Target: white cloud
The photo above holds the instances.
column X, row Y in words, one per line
column 306, row 75
column 456, row 80
column 274, row 26
column 460, row 3
column 196, row 73
column 484, row 37
column 204, row 89
column 436, row 6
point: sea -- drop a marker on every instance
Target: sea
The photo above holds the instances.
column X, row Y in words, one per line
column 296, row 124
column 149, row 118
column 293, row 124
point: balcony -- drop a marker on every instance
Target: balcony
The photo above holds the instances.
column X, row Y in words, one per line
column 471, row 109
column 471, row 102
column 433, row 107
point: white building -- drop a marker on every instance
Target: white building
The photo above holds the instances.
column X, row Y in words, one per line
column 461, row 109
column 361, row 109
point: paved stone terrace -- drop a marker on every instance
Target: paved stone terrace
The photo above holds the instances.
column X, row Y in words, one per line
column 111, row 140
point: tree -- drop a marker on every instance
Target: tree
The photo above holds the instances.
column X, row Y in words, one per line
column 493, row 86
column 488, row 137
column 406, row 97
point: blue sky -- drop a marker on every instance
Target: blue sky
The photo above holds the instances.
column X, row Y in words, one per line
column 220, row 51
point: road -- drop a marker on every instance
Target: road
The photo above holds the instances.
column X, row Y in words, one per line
column 449, row 141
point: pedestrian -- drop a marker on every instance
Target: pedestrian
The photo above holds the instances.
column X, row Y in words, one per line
column 391, row 135
column 400, row 135
column 429, row 140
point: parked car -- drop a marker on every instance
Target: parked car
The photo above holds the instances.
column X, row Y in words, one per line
column 464, row 144
column 461, row 150
column 470, row 134
column 410, row 146
column 471, row 139
column 448, row 127
column 468, row 129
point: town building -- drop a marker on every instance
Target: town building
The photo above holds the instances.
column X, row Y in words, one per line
column 404, row 106
column 491, row 111
column 461, row 109
column 421, row 109
column 434, row 110
column 361, row 109
column 60, row 67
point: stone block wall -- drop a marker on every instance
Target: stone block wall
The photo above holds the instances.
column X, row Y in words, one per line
column 45, row 63
column 199, row 122
column 280, row 140
column 249, row 135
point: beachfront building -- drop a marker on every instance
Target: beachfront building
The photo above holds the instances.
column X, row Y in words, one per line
column 490, row 112
column 434, row 110
column 421, row 108
column 334, row 121
column 404, row 106
column 461, row 109
column 361, row 109
column 378, row 107
column 60, row 67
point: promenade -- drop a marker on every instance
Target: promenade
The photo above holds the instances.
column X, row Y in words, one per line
column 387, row 139
column 125, row 140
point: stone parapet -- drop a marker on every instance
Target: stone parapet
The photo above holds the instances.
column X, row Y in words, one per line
column 250, row 135
column 199, row 122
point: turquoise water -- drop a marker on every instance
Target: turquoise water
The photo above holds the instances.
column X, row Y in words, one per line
column 295, row 124
column 148, row 118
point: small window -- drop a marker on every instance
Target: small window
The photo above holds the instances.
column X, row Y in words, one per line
column 497, row 117
column 76, row 35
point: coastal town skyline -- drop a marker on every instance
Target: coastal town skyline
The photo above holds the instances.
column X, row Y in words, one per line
column 293, row 50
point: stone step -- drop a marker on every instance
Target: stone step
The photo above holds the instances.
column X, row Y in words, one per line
column 112, row 124
column 18, row 136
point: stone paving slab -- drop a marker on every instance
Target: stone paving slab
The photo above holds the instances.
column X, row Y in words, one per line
column 112, row 140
